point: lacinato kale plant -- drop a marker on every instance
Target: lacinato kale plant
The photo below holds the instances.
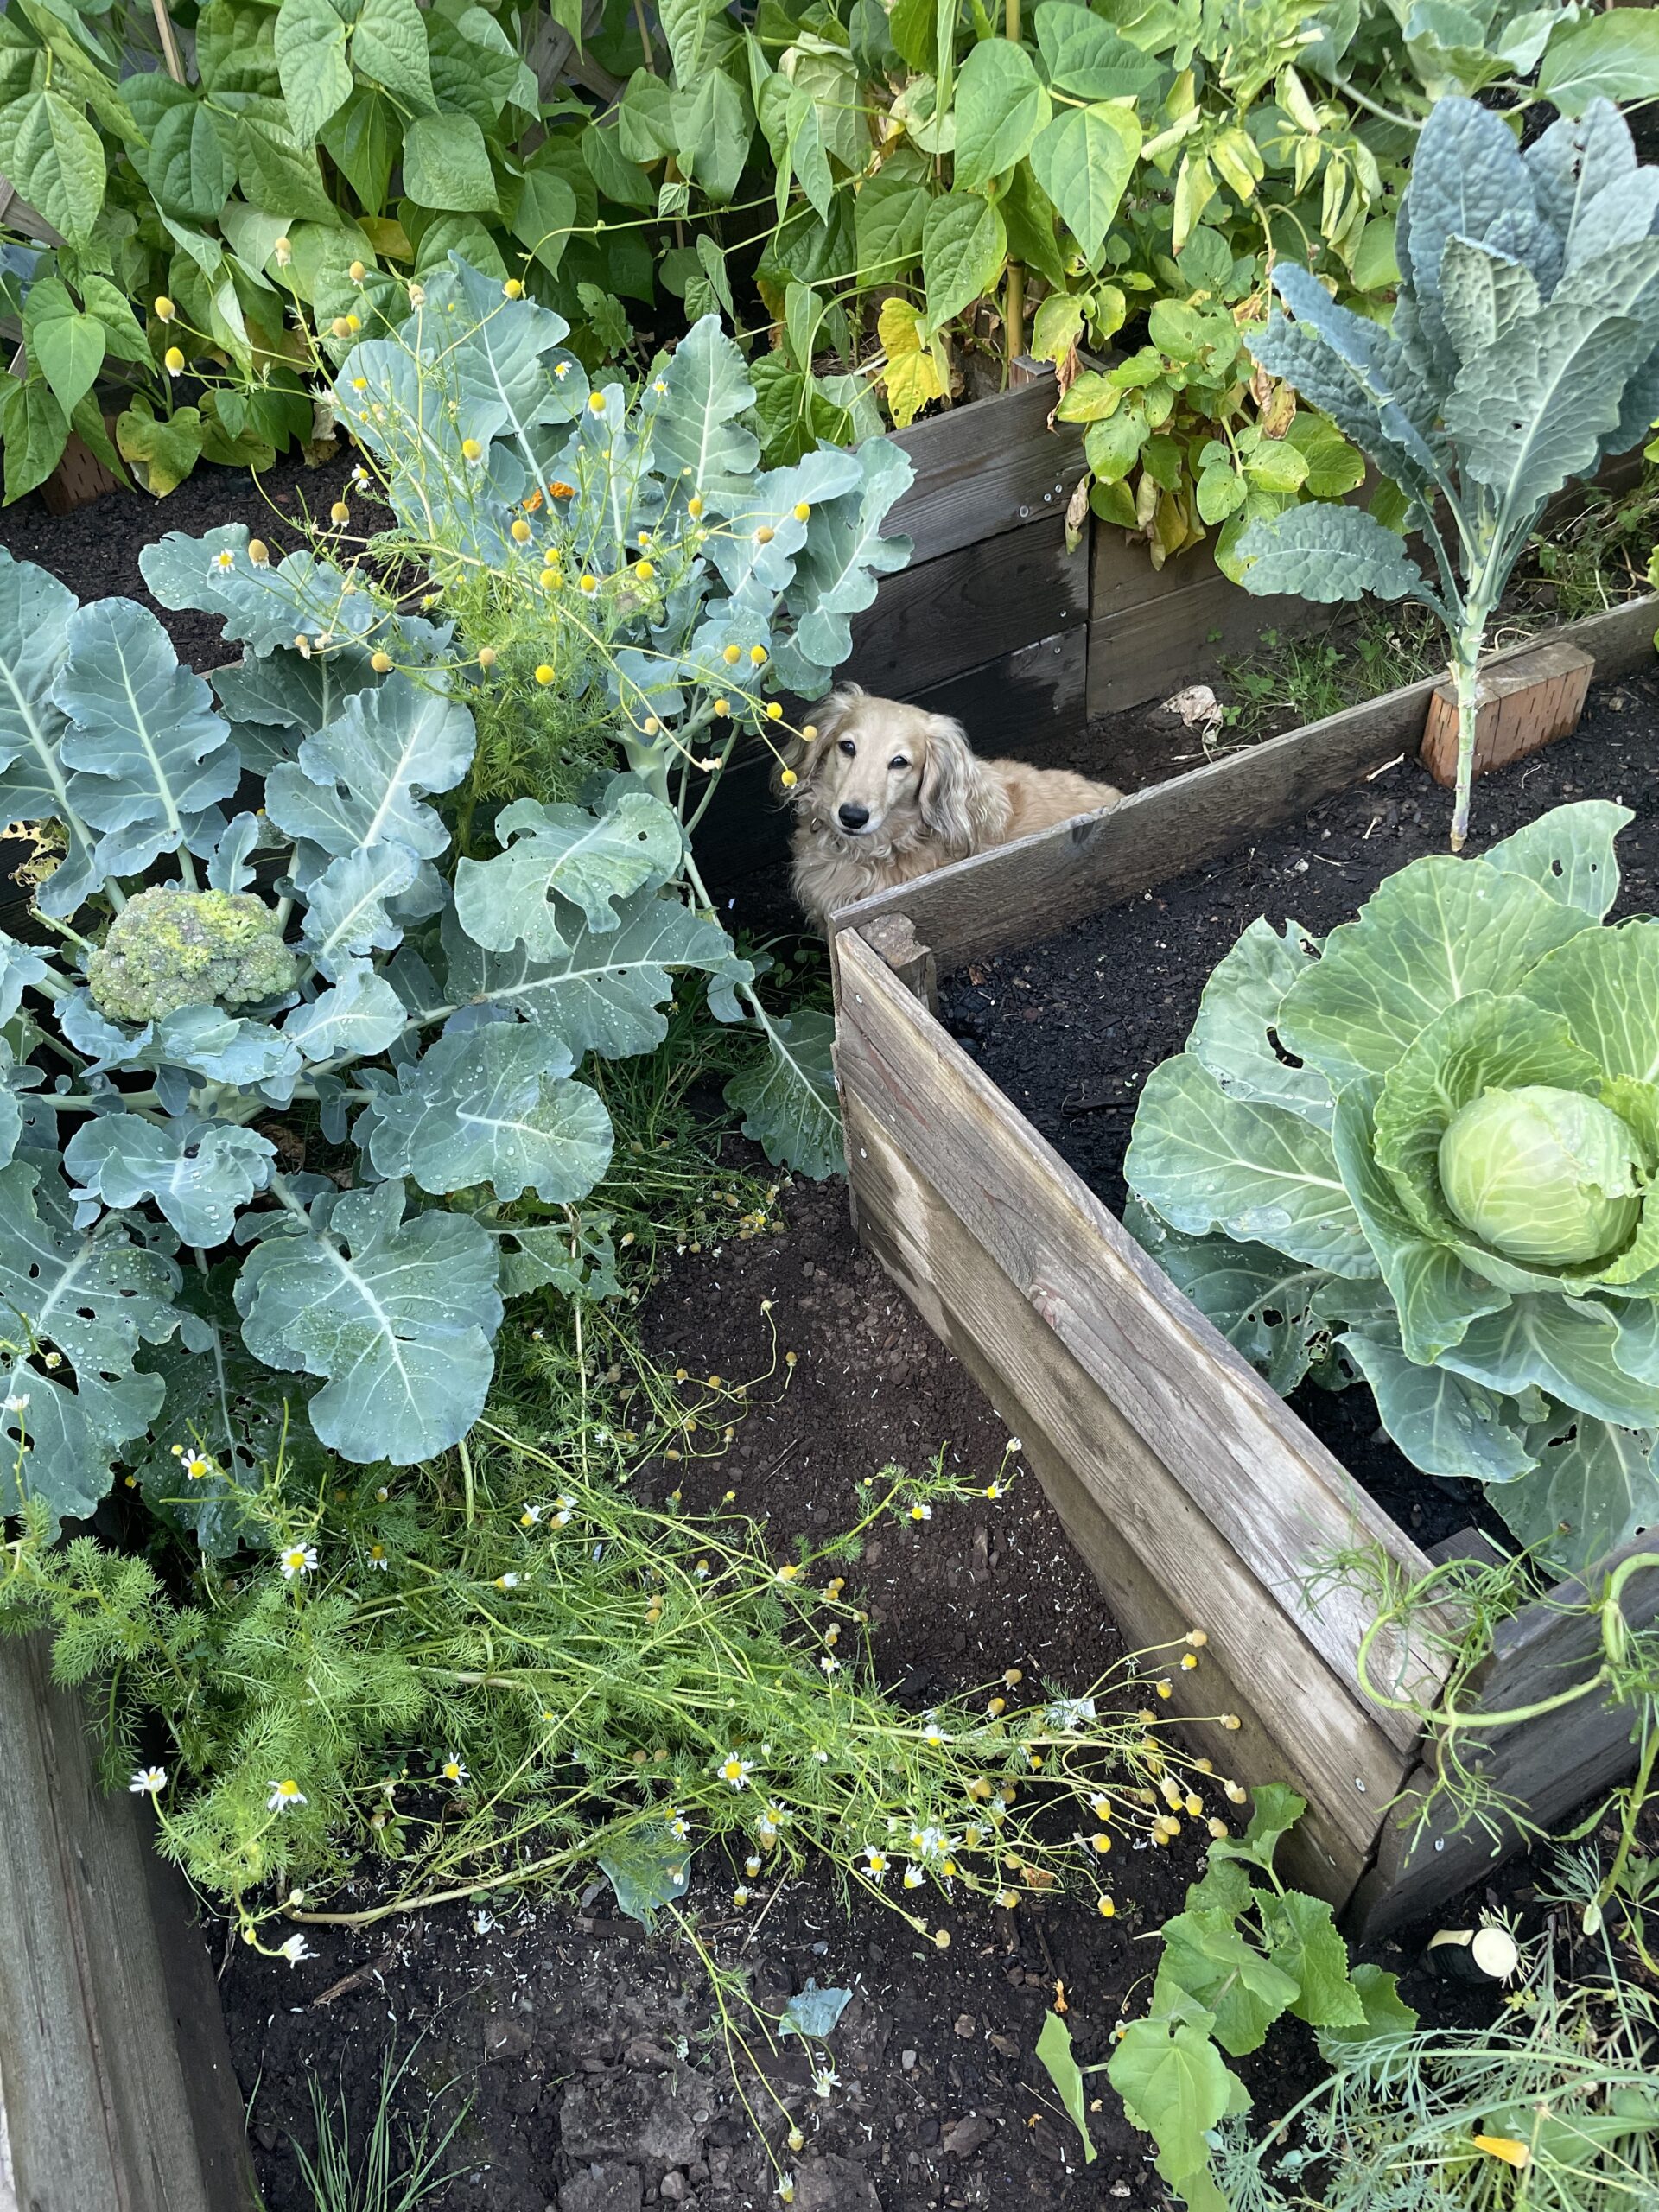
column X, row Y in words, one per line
column 1425, row 1155
column 1524, row 350
column 295, row 1100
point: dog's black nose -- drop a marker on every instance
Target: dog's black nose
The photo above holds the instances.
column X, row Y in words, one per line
column 852, row 817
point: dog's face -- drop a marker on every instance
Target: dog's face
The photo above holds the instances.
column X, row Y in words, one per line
column 880, row 773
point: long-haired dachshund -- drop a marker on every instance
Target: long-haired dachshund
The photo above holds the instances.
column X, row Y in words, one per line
column 884, row 792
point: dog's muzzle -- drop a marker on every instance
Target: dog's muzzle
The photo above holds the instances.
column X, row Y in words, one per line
column 852, row 818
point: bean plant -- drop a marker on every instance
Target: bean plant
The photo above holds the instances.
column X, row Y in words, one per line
column 295, row 1102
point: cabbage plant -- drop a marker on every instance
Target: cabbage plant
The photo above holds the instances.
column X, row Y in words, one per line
column 1524, row 350
column 1422, row 1155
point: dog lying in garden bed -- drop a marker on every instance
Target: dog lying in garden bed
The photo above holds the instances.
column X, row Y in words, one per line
column 884, row 793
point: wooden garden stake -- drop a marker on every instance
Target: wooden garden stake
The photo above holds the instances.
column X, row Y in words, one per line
column 1014, row 297
column 169, row 43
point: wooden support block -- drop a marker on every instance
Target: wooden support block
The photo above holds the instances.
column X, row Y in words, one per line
column 1527, row 700
column 893, row 937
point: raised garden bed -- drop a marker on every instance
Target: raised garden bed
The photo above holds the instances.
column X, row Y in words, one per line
column 1194, row 1494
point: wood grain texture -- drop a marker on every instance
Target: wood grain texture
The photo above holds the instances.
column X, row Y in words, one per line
column 1087, row 1459
column 1248, row 1468
column 986, row 469
column 101, row 2113
column 1018, row 894
column 1522, row 701
column 1022, row 701
column 939, row 619
column 1171, row 639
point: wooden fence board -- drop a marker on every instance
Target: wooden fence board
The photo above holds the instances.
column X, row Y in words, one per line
column 1276, row 1496
column 936, row 618
column 1157, row 647
column 1084, row 1453
column 986, row 469
column 97, row 2108
column 1019, row 893
column 1022, row 701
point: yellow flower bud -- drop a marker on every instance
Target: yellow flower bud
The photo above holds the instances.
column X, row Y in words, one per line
column 359, row 384
column 357, row 272
column 596, row 403
column 165, row 309
column 802, row 511
column 588, row 583
column 651, row 725
column 259, row 552
column 283, row 251
column 644, row 571
column 788, row 779
column 339, row 514
column 764, row 535
column 513, row 289
column 173, row 360
column 774, row 712
column 380, row 663
column 810, row 732
column 1106, row 1908
column 486, row 655
column 543, row 674
column 351, row 323
column 471, row 449
column 693, row 507
column 724, row 706
column 521, row 532
column 342, row 325
column 731, row 655
column 758, row 655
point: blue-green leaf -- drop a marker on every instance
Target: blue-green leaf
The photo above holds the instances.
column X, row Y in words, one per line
column 1324, row 552
column 357, row 783
column 788, row 1099
column 493, row 1105
column 560, row 861
column 698, row 441
column 198, row 1172
column 360, row 1016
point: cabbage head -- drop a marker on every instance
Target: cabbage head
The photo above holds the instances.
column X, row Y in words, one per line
column 1424, row 1155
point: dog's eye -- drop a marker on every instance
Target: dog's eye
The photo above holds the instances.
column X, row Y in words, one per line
column 898, row 761
column 848, row 747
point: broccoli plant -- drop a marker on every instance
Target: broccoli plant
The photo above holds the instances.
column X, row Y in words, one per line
column 1524, row 348
column 1425, row 1155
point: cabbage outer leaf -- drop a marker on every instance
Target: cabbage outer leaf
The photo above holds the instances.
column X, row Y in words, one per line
column 1443, row 1422
column 1594, row 1489
column 1232, row 1035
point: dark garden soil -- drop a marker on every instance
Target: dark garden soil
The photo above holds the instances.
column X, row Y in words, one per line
column 1071, row 1027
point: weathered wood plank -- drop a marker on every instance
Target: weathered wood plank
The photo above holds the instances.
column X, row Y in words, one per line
column 986, row 469
column 1019, row 893
column 1248, row 1467
column 1173, row 639
column 1023, row 700
column 95, row 2107
column 936, row 619
column 1088, row 1459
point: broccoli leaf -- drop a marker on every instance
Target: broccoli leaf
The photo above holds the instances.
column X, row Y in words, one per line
column 493, row 1104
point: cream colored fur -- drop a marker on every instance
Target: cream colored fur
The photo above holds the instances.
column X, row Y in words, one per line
column 928, row 796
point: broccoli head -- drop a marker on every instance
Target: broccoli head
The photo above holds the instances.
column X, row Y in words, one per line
column 168, row 948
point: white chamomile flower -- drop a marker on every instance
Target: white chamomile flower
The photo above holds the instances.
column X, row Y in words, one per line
column 453, row 1770
column 752, row 1864
column 377, row 1559
column 1070, row 1712
column 224, row 558
column 297, row 1560
column 824, row 2080
column 295, row 1949
column 148, row 1782
column 198, row 1466
column 915, row 1878
column 920, row 1512
column 285, row 1798
column 876, row 1861
column 506, row 1581
column 530, row 1515
column 735, row 1771
column 932, row 1735
column 680, row 1829
column 830, row 1664
column 17, row 1401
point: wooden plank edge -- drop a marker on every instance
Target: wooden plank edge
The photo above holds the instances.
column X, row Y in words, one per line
column 1333, row 1500
column 1334, row 752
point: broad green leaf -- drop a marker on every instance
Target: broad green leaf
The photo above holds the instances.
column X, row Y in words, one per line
column 647, row 1869
column 1305, row 1942
column 365, row 140
column 788, row 1099
column 397, row 1316
column 1176, row 2088
column 544, row 218
column 1387, row 2019
column 576, row 1258
column 1327, row 553
column 1205, row 1161
column 836, row 571
column 1001, row 107
column 359, row 1016
column 1258, row 1300
column 1431, row 935
column 714, row 133
column 1610, row 57
column 34, row 612
column 1594, row 1489
column 200, row 1173
column 152, row 756
column 1084, row 160
column 1233, row 1033
column 65, row 346
column 388, row 45
column 1055, row 2056
column 1208, row 1958
column 277, row 172
column 53, row 159
column 161, row 450
column 561, row 861
column 963, row 248
column 1482, row 293
column 1605, row 985
column 1467, row 180
column 604, row 992
column 493, row 1105
column 56, row 1444
column 360, row 782
column 347, row 915
column 36, row 430
column 1085, row 56
column 1446, row 1424
column 1275, row 1808
column 1569, row 852
column 1529, row 412
column 1358, row 373
column 1567, row 1347
column 189, row 167
column 311, row 59
column 446, row 165
column 698, row 438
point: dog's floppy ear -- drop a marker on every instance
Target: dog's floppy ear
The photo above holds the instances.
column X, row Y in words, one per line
column 958, row 801
column 803, row 756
